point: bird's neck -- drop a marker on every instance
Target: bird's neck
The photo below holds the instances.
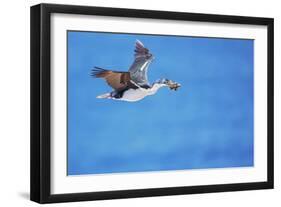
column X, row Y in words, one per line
column 155, row 87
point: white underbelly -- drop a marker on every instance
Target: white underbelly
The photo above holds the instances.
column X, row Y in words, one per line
column 134, row 95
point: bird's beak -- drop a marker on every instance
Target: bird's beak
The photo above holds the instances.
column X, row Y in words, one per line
column 173, row 85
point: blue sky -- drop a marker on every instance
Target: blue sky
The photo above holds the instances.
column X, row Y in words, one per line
column 207, row 123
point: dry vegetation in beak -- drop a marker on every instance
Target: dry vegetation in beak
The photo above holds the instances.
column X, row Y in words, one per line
column 173, row 85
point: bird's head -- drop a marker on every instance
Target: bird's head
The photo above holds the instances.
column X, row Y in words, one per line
column 171, row 84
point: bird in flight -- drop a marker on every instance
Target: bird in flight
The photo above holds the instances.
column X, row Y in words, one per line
column 132, row 85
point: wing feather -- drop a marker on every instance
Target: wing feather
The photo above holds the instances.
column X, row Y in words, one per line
column 138, row 69
column 140, row 50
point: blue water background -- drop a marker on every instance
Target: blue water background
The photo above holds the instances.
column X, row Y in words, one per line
column 207, row 123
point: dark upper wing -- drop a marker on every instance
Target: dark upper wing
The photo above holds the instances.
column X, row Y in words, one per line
column 140, row 50
column 138, row 69
column 117, row 80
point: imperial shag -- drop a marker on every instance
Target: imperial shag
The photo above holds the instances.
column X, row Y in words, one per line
column 132, row 85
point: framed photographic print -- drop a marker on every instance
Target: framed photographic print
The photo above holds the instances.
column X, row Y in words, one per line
column 133, row 103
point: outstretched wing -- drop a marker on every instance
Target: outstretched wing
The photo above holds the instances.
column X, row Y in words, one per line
column 115, row 79
column 140, row 50
column 138, row 70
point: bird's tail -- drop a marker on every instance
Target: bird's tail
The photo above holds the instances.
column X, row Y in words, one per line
column 106, row 95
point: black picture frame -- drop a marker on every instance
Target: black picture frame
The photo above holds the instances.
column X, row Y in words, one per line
column 40, row 184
